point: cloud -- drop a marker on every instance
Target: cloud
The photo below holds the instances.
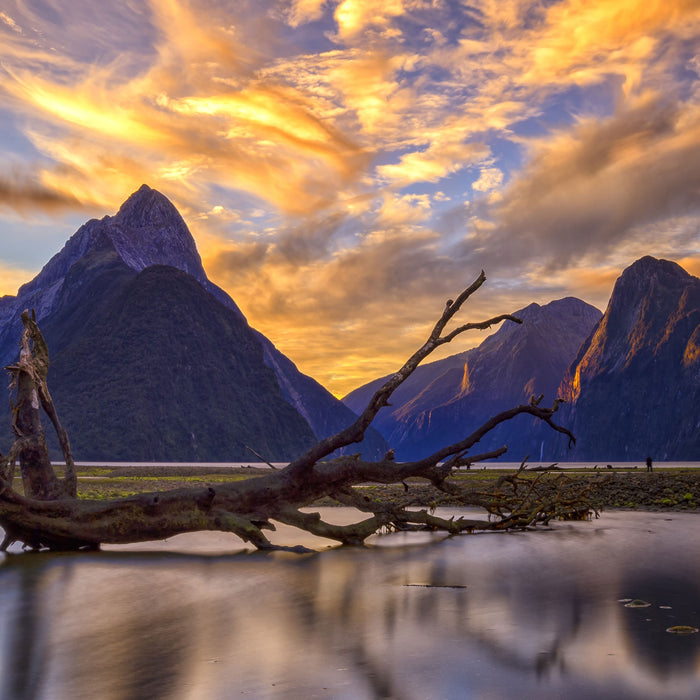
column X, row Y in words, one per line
column 303, row 11
column 586, row 190
column 313, row 162
column 442, row 158
column 371, row 303
column 22, row 192
column 579, row 40
column 355, row 17
column 198, row 108
column 489, row 179
column 7, row 20
column 239, row 260
column 12, row 278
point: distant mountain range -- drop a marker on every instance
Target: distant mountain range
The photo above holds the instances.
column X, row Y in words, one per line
column 446, row 400
column 631, row 378
column 150, row 361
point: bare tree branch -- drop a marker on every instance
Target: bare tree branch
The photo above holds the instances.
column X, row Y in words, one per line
column 50, row 517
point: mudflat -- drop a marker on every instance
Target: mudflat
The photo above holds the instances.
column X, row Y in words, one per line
column 667, row 489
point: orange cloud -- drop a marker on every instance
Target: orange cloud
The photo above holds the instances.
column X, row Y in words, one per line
column 302, row 11
column 691, row 264
column 434, row 163
column 228, row 114
column 588, row 190
column 12, row 278
column 581, row 38
column 354, row 17
column 261, row 138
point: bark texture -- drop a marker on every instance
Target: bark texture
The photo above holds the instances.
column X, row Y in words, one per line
column 49, row 515
column 28, row 383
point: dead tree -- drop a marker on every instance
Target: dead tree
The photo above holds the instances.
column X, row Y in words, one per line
column 31, row 394
column 49, row 515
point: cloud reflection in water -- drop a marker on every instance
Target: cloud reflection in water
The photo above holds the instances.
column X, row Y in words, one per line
column 492, row 615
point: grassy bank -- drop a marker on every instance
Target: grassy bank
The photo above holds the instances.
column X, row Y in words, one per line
column 668, row 489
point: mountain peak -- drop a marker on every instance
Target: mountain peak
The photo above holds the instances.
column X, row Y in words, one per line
column 146, row 207
column 633, row 388
column 148, row 230
column 645, row 279
column 649, row 266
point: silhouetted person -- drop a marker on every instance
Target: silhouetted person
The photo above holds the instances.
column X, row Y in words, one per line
column 650, row 467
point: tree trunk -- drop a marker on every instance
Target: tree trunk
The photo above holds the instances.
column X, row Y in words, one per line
column 29, row 380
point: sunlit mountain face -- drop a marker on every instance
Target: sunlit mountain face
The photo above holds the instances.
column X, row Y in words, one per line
column 633, row 389
column 345, row 166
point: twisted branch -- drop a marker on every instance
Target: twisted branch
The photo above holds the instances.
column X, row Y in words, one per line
column 247, row 508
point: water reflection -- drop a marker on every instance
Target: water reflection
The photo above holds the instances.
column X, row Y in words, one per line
column 484, row 616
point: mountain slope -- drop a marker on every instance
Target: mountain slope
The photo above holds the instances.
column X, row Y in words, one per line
column 147, row 230
column 139, row 374
column 456, row 395
column 634, row 388
column 80, row 296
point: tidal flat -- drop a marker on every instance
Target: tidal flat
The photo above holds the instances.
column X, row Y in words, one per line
column 674, row 489
column 492, row 616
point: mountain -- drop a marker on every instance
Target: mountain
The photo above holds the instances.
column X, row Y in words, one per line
column 152, row 361
column 445, row 400
column 147, row 230
column 634, row 387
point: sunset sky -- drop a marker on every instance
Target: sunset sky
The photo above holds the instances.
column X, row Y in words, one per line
column 346, row 166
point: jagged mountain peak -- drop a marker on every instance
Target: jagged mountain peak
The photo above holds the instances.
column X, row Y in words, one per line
column 644, row 297
column 148, row 230
column 649, row 266
column 643, row 278
column 553, row 319
column 146, row 207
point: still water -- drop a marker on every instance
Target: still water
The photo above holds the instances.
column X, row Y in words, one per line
column 601, row 464
column 488, row 616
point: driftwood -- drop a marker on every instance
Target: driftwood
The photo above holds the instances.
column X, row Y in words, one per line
column 49, row 515
column 32, row 393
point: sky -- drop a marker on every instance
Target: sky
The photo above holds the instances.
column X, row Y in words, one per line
column 346, row 166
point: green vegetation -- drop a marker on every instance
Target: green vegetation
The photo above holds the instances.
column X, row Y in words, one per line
column 108, row 386
column 671, row 489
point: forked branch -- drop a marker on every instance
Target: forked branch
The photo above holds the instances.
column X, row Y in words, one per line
column 246, row 508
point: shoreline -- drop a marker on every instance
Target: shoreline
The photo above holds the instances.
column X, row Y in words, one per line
column 669, row 489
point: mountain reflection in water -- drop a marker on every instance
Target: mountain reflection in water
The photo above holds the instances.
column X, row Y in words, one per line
column 527, row 615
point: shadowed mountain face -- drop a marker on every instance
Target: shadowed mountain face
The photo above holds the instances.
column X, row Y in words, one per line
column 147, row 230
column 161, row 369
column 634, row 388
column 446, row 400
column 151, row 361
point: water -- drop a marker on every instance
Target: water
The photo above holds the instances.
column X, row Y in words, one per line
column 479, row 465
column 489, row 616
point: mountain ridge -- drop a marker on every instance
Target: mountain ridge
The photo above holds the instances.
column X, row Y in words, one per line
column 634, row 387
column 148, row 231
column 457, row 394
